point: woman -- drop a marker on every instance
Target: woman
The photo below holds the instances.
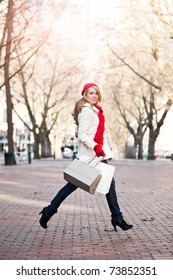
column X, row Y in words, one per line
column 89, row 118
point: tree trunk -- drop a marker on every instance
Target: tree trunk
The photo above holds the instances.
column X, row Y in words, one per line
column 140, row 149
column 36, row 146
column 9, row 157
column 151, row 145
column 46, row 147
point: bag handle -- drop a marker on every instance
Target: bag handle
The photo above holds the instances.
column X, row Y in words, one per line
column 94, row 161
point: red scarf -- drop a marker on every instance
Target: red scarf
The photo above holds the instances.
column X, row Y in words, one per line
column 98, row 138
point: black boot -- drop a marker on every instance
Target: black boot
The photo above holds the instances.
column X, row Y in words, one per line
column 121, row 223
column 44, row 219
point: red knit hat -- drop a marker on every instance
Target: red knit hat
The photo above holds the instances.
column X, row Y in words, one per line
column 87, row 86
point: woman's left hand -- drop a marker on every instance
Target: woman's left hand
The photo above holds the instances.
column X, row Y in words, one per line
column 99, row 151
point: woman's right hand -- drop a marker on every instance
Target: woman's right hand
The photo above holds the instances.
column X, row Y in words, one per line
column 99, row 151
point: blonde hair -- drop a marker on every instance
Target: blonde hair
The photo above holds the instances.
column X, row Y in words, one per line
column 99, row 94
column 81, row 102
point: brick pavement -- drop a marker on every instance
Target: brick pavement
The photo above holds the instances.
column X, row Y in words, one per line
column 82, row 229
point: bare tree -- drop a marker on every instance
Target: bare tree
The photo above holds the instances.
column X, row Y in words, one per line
column 154, row 122
column 147, row 65
column 9, row 29
column 134, row 119
column 18, row 33
column 42, row 92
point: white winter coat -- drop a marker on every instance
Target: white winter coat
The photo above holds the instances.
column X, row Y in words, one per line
column 87, row 126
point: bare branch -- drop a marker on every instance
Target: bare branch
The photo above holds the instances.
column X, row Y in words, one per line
column 134, row 71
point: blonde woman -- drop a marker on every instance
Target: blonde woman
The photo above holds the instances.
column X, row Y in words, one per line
column 88, row 115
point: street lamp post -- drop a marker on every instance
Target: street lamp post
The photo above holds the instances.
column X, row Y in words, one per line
column 29, row 148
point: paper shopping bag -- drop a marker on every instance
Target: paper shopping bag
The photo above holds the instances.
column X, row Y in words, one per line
column 82, row 175
column 107, row 172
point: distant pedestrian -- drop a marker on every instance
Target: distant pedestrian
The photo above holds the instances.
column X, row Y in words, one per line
column 88, row 115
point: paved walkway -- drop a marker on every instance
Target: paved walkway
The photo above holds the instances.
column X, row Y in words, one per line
column 82, row 229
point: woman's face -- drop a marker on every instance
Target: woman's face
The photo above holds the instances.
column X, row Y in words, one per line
column 92, row 95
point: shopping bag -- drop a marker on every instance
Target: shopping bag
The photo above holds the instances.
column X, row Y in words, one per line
column 83, row 175
column 107, row 172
